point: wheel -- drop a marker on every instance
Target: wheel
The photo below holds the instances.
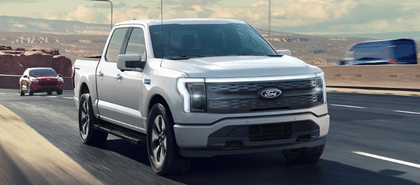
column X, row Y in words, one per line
column 49, row 92
column 20, row 90
column 30, row 92
column 162, row 149
column 87, row 119
column 59, row 92
column 303, row 155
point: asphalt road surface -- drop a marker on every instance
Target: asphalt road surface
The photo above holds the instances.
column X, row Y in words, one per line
column 373, row 139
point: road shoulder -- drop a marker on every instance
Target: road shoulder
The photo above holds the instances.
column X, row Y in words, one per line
column 36, row 158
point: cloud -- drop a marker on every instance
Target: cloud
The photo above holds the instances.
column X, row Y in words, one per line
column 107, row 5
column 84, row 14
column 81, row 13
column 315, row 10
column 135, row 13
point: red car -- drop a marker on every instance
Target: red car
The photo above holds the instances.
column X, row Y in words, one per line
column 40, row 79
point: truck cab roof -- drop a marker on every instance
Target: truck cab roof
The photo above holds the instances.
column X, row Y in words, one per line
column 152, row 22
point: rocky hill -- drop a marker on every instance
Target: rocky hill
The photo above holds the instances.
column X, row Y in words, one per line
column 71, row 46
column 15, row 61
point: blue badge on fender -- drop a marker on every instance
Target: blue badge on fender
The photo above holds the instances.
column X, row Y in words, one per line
column 147, row 81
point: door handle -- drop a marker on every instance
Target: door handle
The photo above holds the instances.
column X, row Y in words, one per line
column 119, row 77
column 100, row 74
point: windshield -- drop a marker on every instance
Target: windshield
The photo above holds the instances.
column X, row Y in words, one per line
column 174, row 40
column 42, row 72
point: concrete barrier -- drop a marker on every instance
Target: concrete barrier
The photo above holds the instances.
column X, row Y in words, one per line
column 397, row 77
column 12, row 82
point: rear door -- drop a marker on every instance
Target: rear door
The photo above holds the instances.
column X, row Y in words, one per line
column 106, row 75
column 130, row 86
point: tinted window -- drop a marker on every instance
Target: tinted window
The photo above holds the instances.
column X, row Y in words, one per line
column 209, row 39
column 136, row 44
column 405, row 50
column 42, row 72
column 115, row 44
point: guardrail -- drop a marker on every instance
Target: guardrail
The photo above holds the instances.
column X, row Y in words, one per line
column 12, row 82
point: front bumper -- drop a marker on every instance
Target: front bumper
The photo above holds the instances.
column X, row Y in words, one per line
column 38, row 88
column 237, row 135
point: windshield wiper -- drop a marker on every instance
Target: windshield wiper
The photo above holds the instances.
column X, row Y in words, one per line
column 186, row 57
column 274, row 55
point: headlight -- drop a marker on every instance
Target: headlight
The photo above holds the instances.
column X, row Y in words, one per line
column 60, row 79
column 34, row 79
column 320, row 82
column 193, row 92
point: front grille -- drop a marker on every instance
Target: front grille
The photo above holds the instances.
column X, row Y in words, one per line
column 243, row 96
column 256, row 86
column 47, row 83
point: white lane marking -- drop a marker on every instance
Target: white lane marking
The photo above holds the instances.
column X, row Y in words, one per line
column 348, row 106
column 388, row 159
column 70, row 98
column 52, row 96
column 407, row 112
column 4, row 93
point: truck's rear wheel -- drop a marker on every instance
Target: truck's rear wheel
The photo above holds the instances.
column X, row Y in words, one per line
column 161, row 145
column 88, row 134
column 303, row 155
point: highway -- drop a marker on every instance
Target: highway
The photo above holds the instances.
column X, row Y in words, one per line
column 373, row 139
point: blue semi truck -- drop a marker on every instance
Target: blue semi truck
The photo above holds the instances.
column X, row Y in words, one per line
column 395, row 51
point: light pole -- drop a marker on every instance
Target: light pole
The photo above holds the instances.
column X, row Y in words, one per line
column 112, row 7
column 269, row 20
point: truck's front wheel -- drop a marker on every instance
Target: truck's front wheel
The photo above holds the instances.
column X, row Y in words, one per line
column 161, row 145
column 303, row 155
column 88, row 134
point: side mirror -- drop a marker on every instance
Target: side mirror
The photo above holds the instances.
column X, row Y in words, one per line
column 284, row 52
column 129, row 62
column 59, row 75
column 25, row 76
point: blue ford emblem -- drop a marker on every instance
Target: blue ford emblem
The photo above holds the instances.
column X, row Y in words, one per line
column 270, row 93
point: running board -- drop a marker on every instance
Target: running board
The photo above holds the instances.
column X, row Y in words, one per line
column 134, row 137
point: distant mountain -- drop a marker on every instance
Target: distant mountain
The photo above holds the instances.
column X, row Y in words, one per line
column 23, row 24
column 391, row 35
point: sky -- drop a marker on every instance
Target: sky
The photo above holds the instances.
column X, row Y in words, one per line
column 296, row 16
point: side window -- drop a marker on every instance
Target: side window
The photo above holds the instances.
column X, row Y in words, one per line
column 136, row 44
column 115, row 44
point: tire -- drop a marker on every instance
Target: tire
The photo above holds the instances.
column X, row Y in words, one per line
column 20, row 90
column 303, row 155
column 162, row 149
column 30, row 92
column 59, row 92
column 49, row 92
column 87, row 119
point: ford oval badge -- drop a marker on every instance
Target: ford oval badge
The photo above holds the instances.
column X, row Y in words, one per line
column 270, row 93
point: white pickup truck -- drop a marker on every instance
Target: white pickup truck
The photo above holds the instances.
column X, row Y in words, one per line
column 200, row 88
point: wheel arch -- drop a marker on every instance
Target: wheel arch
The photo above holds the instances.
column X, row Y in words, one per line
column 83, row 89
column 157, row 98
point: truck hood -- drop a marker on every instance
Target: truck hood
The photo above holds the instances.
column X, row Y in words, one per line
column 240, row 66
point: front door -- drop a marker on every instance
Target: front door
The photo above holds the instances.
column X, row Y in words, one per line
column 130, row 86
column 106, row 76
